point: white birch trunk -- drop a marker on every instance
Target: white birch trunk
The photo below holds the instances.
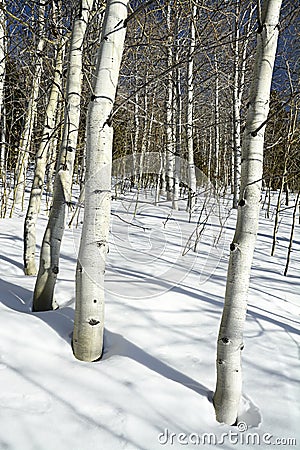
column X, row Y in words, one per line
column 40, row 168
column 190, row 111
column 239, row 68
column 169, row 112
column 230, row 340
column 236, row 112
column 25, row 140
column 2, row 59
column 216, row 125
column 291, row 235
column 50, row 251
column 89, row 311
column 2, row 107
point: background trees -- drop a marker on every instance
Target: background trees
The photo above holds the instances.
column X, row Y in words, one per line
column 183, row 91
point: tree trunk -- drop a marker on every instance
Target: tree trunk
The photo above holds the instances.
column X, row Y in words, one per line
column 50, row 251
column 230, row 340
column 40, row 168
column 25, row 141
column 169, row 111
column 190, row 105
column 2, row 61
column 239, row 68
column 291, row 235
column 89, row 311
column 3, row 193
column 216, row 126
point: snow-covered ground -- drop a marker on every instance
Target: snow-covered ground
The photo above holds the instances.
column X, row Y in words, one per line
column 153, row 387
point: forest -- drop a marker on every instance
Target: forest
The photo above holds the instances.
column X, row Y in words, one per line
column 149, row 224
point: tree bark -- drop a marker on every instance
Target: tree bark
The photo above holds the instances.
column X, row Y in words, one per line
column 89, row 311
column 291, row 235
column 25, row 141
column 50, row 251
column 190, row 111
column 40, row 168
column 170, row 153
column 230, row 339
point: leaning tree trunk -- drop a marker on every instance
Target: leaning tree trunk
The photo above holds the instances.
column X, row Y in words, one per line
column 230, row 340
column 50, row 251
column 40, row 168
column 89, row 310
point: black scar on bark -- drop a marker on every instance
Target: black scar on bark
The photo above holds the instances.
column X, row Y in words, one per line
column 93, row 322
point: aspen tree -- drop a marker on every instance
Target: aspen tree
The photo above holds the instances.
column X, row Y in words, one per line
column 2, row 107
column 169, row 110
column 216, row 124
column 25, row 141
column 40, row 168
column 239, row 69
column 89, row 310
column 2, row 55
column 230, row 339
column 50, row 251
column 190, row 111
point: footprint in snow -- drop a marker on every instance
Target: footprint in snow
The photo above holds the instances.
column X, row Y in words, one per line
column 249, row 413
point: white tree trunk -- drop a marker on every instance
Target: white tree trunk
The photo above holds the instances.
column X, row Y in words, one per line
column 2, row 106
column 169, row 112
column 230, row 340
column 25, row 141
column 239, row 68
column 291, row 235
column 2, row 58
column 190, row 111
column 50, row 251
column 216, row 125
column 236, row 112
column 40, row 168
column 89, row 312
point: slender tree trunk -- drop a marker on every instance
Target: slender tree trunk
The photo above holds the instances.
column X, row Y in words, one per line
column 230, row 340
column 3, row 192
column 50, row 251
column 216, row 125
column 40, row 168
column 25, row 141
column 190, row 111
column 239, row 69
column 178, row 113
column 291, row 235
column 236, row 111
column 2, row 59
column 89, row 312
column 169, row 111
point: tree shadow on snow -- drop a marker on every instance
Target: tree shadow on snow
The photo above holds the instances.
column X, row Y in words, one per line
column 19, row 299
column 116, row 344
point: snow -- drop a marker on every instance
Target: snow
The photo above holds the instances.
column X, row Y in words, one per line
column 162, row 317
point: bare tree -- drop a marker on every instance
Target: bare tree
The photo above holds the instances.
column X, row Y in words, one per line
column 230, row 340
column 50, row 251
column 89, row 311
column 47, row 137
column 25, row 140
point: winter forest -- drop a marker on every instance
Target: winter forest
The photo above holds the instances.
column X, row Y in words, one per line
column 149, row 224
